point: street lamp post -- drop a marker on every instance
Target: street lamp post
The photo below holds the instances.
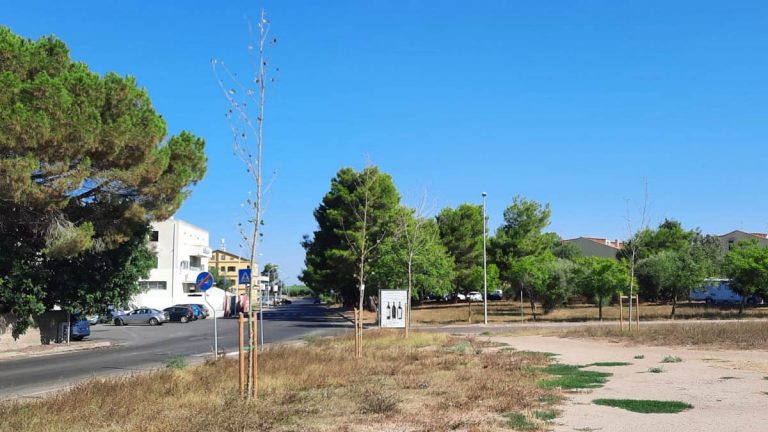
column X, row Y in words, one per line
column 485, row 268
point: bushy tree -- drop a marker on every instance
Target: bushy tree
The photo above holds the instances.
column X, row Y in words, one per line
column 84, row 167
column 600, row 279
column 431, row 268
column 461, row 232
column 531, row 274
column 355, row 217
column 521, row 234
column 747, row 267
column 560, row 287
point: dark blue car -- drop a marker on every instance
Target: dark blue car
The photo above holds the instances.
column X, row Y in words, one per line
column 197, row 311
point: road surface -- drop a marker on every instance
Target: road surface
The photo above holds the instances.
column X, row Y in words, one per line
column 139, row 348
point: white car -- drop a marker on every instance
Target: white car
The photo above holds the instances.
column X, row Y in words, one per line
column 474, row 296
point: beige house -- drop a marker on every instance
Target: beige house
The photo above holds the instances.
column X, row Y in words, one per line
column 228, row 266
column 595, row 246
column 731, row 239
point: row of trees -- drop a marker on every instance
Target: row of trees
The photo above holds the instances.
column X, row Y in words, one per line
column 85, row 166
column 367, row 240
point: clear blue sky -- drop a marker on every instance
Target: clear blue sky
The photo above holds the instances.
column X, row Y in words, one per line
column 571, row 103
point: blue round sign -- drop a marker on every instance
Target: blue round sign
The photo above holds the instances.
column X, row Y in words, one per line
column 204, row 281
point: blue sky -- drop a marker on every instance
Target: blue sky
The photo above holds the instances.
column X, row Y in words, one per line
column 571, row 103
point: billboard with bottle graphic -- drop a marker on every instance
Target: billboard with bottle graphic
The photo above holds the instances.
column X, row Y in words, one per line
column 393, row 306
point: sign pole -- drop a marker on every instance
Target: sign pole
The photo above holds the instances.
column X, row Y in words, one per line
column 203, row 283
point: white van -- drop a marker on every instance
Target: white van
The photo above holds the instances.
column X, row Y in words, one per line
column 718, row 291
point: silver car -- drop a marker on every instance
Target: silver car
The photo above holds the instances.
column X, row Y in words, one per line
column 142, row 316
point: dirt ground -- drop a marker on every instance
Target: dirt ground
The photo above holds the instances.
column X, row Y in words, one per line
column 727, row 389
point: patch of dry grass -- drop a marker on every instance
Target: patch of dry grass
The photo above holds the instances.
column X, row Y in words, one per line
column 509, row 311
column 740, row 335
column 423, row 383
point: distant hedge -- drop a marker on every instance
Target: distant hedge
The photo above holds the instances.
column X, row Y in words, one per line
column 298, row 290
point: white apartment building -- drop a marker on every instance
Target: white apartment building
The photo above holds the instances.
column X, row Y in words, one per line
column 182, row 253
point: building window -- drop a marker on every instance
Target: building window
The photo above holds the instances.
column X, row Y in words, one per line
column 154, row 236
column 195, row 263
column 152, row 285
column 231, row 269
column 223, row 269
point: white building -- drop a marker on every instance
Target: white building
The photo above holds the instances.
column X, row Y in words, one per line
column 182, row 253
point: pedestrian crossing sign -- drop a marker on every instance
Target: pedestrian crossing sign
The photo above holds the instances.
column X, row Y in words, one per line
column 244, row 276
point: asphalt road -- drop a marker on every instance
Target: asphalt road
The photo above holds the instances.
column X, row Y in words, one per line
column 139, row 348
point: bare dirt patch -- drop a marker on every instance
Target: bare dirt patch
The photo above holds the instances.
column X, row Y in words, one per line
column 734, row 404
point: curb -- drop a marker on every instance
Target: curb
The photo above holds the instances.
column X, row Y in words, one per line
column 56, row 349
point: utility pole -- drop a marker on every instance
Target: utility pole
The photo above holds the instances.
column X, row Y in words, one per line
column 485, row 267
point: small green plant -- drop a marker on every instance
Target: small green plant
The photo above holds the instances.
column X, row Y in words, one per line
column 671, row 359
column 519, row 421
column 545, row 415
column 485, row 333
column 639, row 357
column 572, row 377
column 609, row 364
column 655, row 370
column 460, row 347
column 645, row 406
column 176, row 361
column 379, row 402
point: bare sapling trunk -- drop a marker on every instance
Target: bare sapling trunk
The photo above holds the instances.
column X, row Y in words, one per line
column 243, row 126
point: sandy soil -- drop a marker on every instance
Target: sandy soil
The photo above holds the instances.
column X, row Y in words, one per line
column 726, row 388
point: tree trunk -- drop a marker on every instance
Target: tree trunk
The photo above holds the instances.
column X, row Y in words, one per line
column 674, row 306
column 600, row 308
column 469, row 303
column 741, row 306
column 533, row 307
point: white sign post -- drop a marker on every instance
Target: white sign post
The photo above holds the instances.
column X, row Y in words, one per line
column 393, row 308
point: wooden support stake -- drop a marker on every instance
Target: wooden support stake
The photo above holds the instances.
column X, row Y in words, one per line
column 254, row 344
column 360, row 333
column 355, row 313
column 241, row 352
column 621, row 314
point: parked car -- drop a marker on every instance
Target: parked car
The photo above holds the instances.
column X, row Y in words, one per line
column 196, row 309
column 180, row 313
column 142, row 316
column 205, row 312
column 496, row 295
column 718, row 291
column 474, row 296
column 79, row 328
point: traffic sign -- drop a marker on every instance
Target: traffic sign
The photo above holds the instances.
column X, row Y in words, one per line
column 244, row 276
column 204, row 281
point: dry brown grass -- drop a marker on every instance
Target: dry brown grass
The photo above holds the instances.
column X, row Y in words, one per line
column 427, row 382
column 509, row 311
column 736, row 335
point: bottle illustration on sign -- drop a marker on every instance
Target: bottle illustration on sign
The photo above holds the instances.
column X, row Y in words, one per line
column 389, row 313
column 399, row 310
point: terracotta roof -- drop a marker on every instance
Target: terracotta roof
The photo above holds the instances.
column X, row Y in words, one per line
column 616, row 244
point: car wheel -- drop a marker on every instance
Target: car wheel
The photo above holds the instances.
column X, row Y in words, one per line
column 153, row 321
column 184, row 319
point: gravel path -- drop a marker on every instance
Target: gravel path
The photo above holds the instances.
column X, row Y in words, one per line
column 726, row 388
